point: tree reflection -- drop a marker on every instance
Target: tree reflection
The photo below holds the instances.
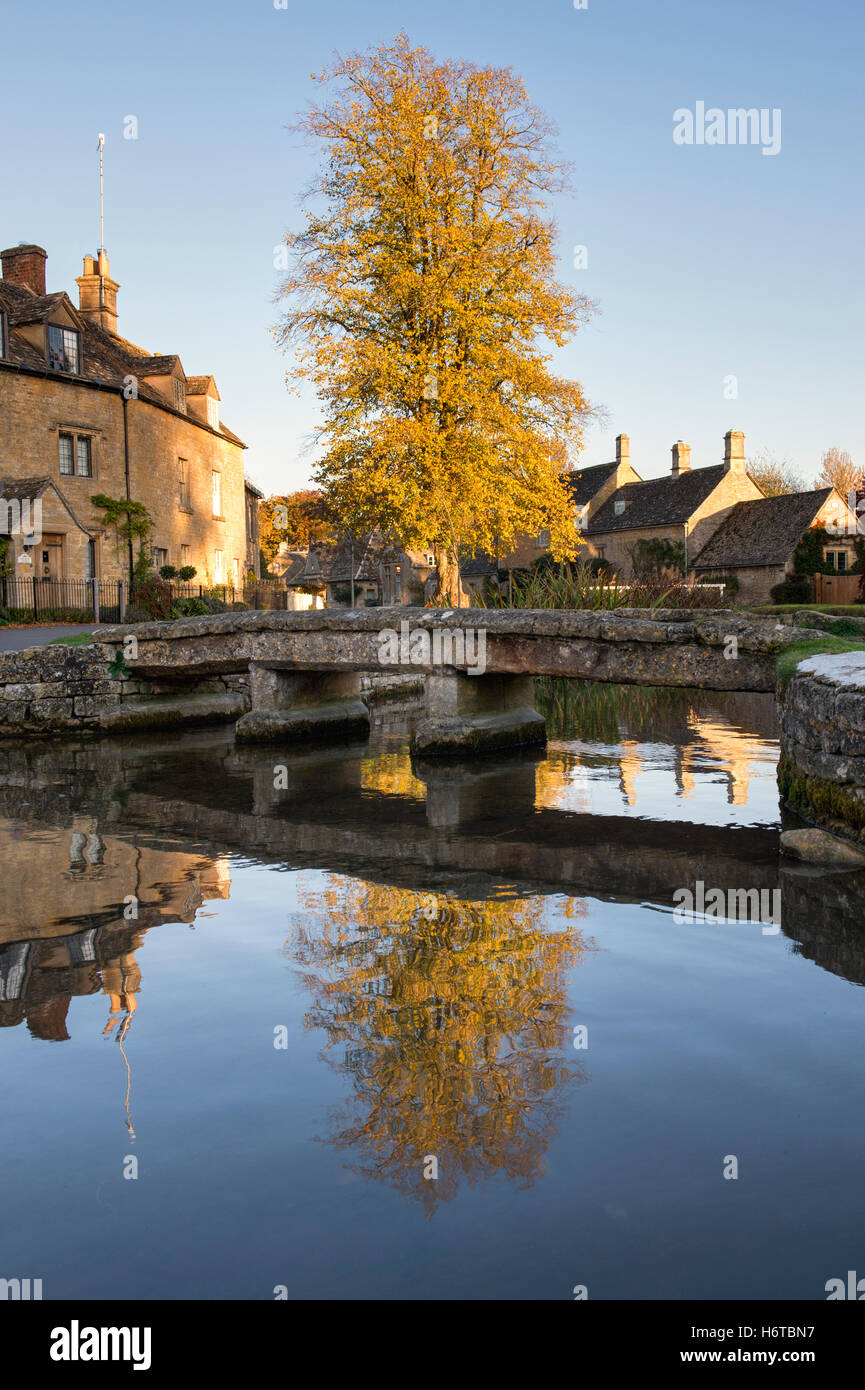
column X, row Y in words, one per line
column 451, row 1018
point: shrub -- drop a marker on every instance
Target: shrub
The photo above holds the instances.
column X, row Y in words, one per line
column 167, row 572
column 153, row 597
column 186, row 573
column 796, row 589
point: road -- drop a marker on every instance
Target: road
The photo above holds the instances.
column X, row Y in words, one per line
column 15, row 639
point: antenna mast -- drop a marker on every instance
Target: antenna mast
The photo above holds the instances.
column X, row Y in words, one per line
column 101, row 252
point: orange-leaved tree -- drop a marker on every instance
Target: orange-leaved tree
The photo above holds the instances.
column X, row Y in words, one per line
column 422, row 302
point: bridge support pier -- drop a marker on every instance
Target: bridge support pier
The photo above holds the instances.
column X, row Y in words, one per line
column 302, row 705
column 478, row 714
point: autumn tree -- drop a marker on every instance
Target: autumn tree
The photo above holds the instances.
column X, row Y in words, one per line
column 838, row 470
column 297, row 519
column 775, row 476
column 423, row 304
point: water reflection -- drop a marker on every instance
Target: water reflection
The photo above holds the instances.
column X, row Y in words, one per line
column 451, row 1019
column 449, row 910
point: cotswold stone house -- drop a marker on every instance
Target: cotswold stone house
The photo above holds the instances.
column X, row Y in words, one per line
column 756, row 543
column 383, row 573
column 85, row 411
column 685, row 508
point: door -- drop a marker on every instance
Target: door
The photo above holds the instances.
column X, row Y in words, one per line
column 50, row 557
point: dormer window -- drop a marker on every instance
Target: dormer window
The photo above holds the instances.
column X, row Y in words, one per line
column 63, row 348
column 212, row 413
column 180, row 395
column 619, row 507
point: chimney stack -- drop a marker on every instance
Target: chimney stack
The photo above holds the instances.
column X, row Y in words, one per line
column 734, row 451
column 25, row 265
column 681, row 458
column 97, row 293
column 623, row 449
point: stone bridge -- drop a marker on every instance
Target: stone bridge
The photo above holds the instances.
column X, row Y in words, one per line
column 287, row 678
column 478, row 665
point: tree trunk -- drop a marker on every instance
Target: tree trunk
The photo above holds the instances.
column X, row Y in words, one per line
column 450, row 590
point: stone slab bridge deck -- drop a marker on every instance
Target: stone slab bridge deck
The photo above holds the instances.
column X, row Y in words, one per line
column 304, row 668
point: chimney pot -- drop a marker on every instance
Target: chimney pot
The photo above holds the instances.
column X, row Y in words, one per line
column 25, row 265
column 681, row 458
column 734, row 451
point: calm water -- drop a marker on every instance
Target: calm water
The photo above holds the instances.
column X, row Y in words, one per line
column 371, row 971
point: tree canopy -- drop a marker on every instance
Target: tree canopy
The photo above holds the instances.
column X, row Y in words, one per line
column 423, row 304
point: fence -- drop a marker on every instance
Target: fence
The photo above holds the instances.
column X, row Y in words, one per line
column 105, row 600
column 62, row 600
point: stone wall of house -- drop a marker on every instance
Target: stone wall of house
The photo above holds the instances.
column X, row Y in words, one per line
column 36, row 410
column 822, row 769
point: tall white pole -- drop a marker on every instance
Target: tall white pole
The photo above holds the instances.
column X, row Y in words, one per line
column 101, row 226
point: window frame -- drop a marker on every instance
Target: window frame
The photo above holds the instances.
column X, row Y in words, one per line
column 59, row 328
column 77, row 437
column 179, row 394
column 216, row 494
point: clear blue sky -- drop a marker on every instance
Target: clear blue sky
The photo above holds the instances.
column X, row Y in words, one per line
column 707, row 261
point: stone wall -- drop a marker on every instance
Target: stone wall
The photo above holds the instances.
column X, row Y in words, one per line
column 55, row 690
column 822, row 769
column 35, row 410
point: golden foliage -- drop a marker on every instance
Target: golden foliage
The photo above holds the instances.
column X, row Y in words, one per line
column 424, row 305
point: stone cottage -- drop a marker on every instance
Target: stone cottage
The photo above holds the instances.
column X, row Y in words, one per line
column 85, row 411
column 756, row 543
column 685, row 508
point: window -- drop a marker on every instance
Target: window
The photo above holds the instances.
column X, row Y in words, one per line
column 85, row 458
column 184, row 556
column 619, row 506
column 62, row 348
column 217, row 567
column 217, row 493
column 841, row 561
column 543, row 539
column 180, row 394
column 236, row 575
column 76, row 455
column 213, row 413
column 160, row 556
column 183, row 484
column 67, row 454
column 90, row 560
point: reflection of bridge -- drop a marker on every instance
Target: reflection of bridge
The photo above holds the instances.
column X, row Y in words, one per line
column 304, row 668
column 166, row 815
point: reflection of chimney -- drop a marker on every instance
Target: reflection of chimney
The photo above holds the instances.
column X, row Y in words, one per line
column 25, row 265
column 47, row 1020
column 734, row 451
column 97, row 292
column 623, row 449
column 681, row 458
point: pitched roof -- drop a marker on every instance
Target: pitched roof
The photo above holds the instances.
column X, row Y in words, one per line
column 106, row 358
column 197, row 386
column 583, row 483
column 28, row 489
column 658, row 501
column 763, row 532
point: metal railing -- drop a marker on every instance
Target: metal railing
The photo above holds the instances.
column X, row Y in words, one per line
column 25, row 600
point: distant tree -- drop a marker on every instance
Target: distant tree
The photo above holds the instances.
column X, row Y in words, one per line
column 838, row 470
column 775, row 476
column 293, row 518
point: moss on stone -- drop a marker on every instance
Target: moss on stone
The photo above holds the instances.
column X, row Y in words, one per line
column 789, row 659
column 822, row 801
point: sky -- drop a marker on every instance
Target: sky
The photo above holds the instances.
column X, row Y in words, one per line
column 708, row 261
